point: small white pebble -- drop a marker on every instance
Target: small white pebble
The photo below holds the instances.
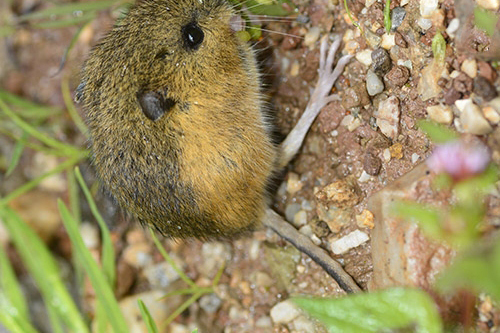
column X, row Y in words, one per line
column 491, row 114
column 368, row 3
column 293, row 183
column 414, row 158
column 374, row 84
column 441, row 114
column 454, row 74
column 364, row 177
column 427, row 7
column 315, row 239
column 388, row 41
column 453, row 26
column 348, row 242
column 469, row 67
column 386, row 154
column 302, row 324
column 306, row 230
column 295, row 68
column 334, row 133
column 284, row 312
column 90, row 235
column 300, row 218
column 350, row 122
column 493, row 5
column 387, row 115
column 300, row 269
column 407, row 63
column 471, row 118
column 364, row 57
column 425, row 24
column 264, row 322
column 254, row 250
column 404, row 2
column 311, row 36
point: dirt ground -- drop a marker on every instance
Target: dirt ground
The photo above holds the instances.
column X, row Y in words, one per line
column 361, row 139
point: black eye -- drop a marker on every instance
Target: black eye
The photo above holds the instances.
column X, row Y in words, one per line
column 192, row 35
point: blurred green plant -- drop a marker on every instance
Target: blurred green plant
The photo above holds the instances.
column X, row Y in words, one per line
column 438, row 47
column 387, row 16
column 396, row 309
column 485, row 20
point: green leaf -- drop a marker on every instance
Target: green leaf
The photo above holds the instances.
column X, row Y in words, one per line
column 28, row 109
column 146, row 317
column 16, row 154
column 14, row 314
column 478, row 269
column 108, row 251
column 374, row 312
column 429, row 219
column 485, row 20
column 45, row 272
column 387, row 16
column 69, row 9
column 99, row 281
column 439, row 47
column 437, row 133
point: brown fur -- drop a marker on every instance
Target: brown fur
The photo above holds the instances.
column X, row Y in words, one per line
column 202, row 169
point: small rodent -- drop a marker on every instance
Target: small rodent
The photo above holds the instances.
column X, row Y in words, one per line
column 178, row 133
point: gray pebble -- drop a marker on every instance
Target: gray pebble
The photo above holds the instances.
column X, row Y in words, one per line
column 398, row 14
column 381, row 61
column 374, row 84
column 484, row 88
column 210, row 303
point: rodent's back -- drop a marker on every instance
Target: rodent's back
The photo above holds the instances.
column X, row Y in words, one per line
column 174, row 109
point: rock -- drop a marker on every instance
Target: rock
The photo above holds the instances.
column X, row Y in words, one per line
column 427, row 7
column 311, row 36
column 493, row 5
column 387, row 115
column 39, row 210
column 364, row 177
column 264, row 322
column 210, row 303
column 372, row 164
column 350, row 122
column 441, row 114
column 291, row 210
column 485, row 70
column 397, row 16
column 396, row 150
column 138, row 255
column 386, row 154
column 162, row 274
column 400, row 41
column 355, row 96
column 402, row 256
column 300, row 218
column 302, row 324
column 469, row 67
column 381, row 61
column 388, row 41
column 365, row 219
column 343, row 193
column 450, row 96
column 352, row 240
column 428, row 86
column 364, row 57
column 471, row 118
column 397, row 76
column 484, row 88
column 414, row 158
column 453, row 27
column 293, row 184
column 491, row 114
column 43, row 163
column 424, row 24
column 374, row 84
column 214, row 254
column 90, row 235
column 160, row 308
column 284, row 312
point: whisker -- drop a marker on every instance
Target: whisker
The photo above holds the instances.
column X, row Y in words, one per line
column 281, row 33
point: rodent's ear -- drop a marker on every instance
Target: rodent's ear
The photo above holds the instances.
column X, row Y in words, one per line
column 154, row 105
column 79, row 92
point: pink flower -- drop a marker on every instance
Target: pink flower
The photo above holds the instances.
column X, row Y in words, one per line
column 459, row 160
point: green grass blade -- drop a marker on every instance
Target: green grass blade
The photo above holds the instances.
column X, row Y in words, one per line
column 12, row 302
column 14, row 325
column 108, row 251
column 35, row 133
column 16, row 154
column 28, row 109
column 44, row 270
column 146, row 317
column 34, row 182
column 168, row 259
column 69, row 9
column 180, row 309
column 99, row 281
column 387, row 16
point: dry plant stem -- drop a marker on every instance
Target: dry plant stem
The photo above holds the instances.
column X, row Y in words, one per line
column 320, row 97
column 304, row 244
